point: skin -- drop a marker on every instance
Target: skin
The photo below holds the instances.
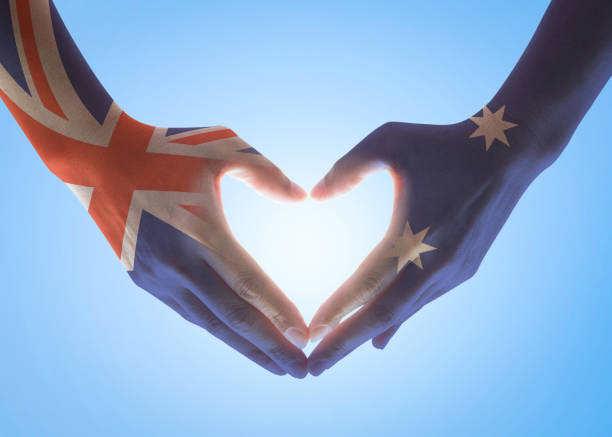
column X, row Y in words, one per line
column 456, row 185
column 181, row 249
column 454, row 188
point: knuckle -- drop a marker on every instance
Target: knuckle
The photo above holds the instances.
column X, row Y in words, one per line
column 212, row 324
column 232, row 131
column 248, row 286
column 241, row 318
column 469, row 272
column 370, row 284
column 274, row 173
column 433, row 297
column 185, row 315
column 469, row 268
column 389, row 125
column 382, row 315
column 184, row 295
column 337, row 351
column 257, row 356
column 278, row 173
column 170, row 302
column 277, row 319
column 276, row 352
column 387, row 130
column 141, row 278
column 373, row 281
column 148, row 273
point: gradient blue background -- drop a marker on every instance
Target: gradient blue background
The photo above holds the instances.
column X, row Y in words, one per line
column 523, row 348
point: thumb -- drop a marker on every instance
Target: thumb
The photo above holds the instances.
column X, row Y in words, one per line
column 346, row 173
column 267, row 179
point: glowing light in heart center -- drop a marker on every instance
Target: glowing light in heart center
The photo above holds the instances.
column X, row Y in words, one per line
column 310, row 248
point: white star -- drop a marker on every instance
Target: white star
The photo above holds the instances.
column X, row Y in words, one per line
column 409, row 247
column 492, row 126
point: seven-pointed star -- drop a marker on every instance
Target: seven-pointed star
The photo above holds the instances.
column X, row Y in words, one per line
column 492, row 126
column 409, row 247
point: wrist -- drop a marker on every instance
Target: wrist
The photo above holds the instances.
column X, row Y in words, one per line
column 541, row 134
column 510, row 138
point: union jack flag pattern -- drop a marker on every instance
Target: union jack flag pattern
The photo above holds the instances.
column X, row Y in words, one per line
column 115, row 165
column 152, row 191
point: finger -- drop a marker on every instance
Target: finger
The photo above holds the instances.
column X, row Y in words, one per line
column 401, row 249
column 371, row 277
column 346, row 173
column 172, row 303
column 240, row 271
column 391, row 308
column 267, row 179
column 249, row 282
column 237, row 268
column 196, row 312
column 244, row 319
column 381, row 340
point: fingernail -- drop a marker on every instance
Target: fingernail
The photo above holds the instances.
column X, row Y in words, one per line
column 297, row 191
column 296, row 336
column 317, row 367
column 318, row 332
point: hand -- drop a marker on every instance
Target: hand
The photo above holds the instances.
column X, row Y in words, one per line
column 186, row 256
column 455, row 186
column 154, row 193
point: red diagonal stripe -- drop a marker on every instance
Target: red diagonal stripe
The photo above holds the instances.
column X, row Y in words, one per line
column 196, row 210
column 114, row 171
column 194, row 140
column 24, row 15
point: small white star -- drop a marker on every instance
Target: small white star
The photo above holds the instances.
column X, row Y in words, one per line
column 492, row 126
column 409, row 247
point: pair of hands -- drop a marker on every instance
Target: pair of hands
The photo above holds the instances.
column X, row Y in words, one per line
column 154, row 192
column 455, row 186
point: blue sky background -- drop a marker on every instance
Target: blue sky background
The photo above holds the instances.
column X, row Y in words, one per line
column 523, row 348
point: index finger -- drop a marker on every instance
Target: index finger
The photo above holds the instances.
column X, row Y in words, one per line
column 228, row 258
column 250, row 283
column 401, row 247
column 389, row 309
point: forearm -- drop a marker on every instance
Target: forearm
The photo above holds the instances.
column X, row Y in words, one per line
column 46, row 82
column 561, row 72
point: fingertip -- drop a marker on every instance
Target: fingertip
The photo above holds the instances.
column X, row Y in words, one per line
column 297, row 192
column 319, row 191
column 379, row 343
column 294, row 193
column 300, row 375
column 298, row 337
column 276, row 371
column 317, row 367
column 299, row 368
column 318, row 332
column 382, row 340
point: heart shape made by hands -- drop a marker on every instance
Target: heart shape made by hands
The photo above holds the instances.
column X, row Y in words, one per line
column 310, row 248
